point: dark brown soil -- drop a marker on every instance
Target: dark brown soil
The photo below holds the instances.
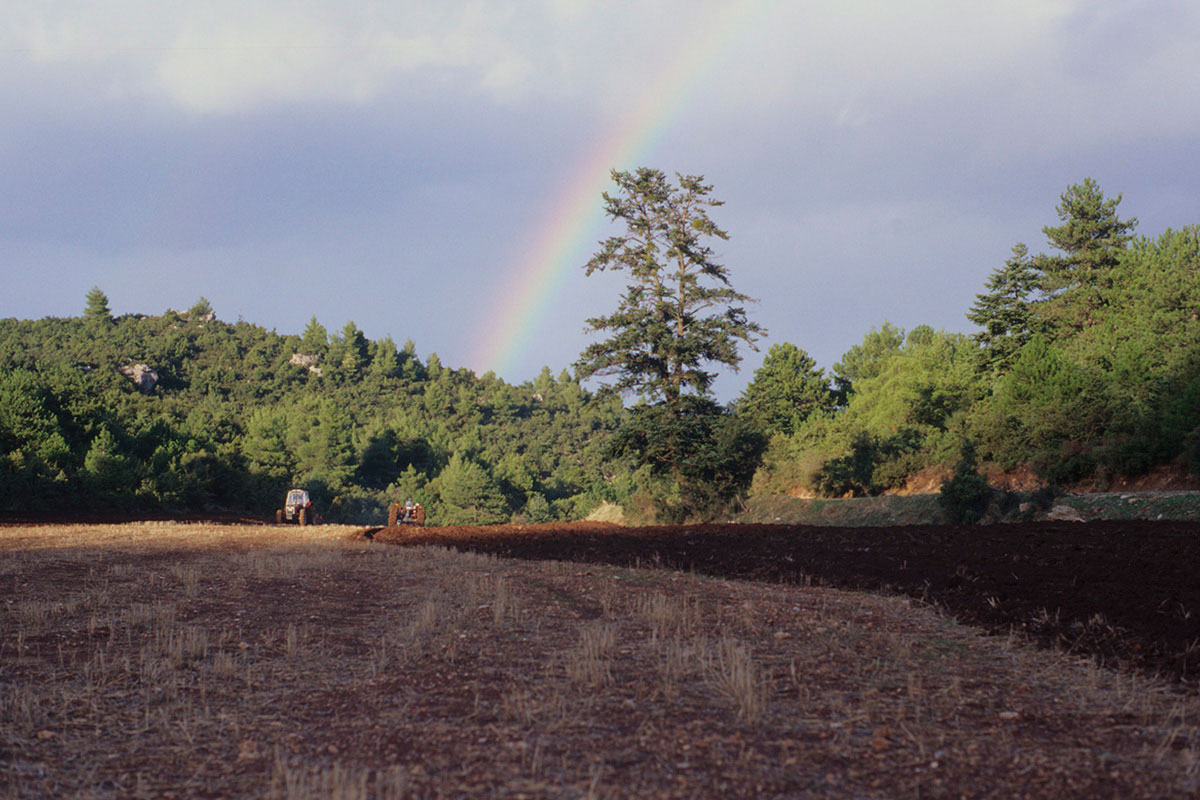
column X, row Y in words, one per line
column 1127, row 593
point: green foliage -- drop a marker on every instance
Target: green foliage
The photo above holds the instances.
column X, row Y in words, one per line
column 872, row 464
column 1005, row 312
column 537, row 509
column 315, row 339
column 350, row 353
column 1092, row 240
column 786, row 390
column 965, row 496
column 97, row 306
column 1041, row 411
column 866, row 360
column 1087, row 366
column 201, row 310
column 233, row 424
column 679, row 311
column 105, row 468
column 909, row 397
column 851, row 474
column 708, row 455
column 468, row 495
column 678, row 314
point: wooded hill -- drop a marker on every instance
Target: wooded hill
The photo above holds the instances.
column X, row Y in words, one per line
column 232, row 415
column 1086, row 366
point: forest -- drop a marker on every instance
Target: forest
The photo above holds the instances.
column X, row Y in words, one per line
column 1085, row 365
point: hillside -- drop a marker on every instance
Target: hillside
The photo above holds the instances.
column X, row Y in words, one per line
column 182, row 411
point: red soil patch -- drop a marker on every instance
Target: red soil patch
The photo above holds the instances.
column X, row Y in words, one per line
column 1126, row 593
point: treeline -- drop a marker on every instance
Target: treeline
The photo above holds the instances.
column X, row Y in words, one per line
column 185, row 412
column 1086, row 366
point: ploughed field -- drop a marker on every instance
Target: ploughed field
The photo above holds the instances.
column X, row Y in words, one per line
column 1126, row 593
column 267, row 661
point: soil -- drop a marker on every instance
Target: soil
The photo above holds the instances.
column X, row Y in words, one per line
column 1126, row 593
column 227, row 661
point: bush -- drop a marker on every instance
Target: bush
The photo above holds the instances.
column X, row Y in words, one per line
column 537, row 509
column 852, row 473
column 966, row 495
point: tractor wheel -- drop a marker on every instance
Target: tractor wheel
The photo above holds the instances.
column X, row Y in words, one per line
column 303, row 517
column 279, row 516
column 393, row 514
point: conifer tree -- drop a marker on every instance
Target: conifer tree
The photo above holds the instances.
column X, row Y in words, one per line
column 105, row 467
column 1006, row 312
column 384, row 360
column 315, row 338
column 865, row 361
column 353, row 351
column 97, row 306
column 679, row 311
column 469, row 495
column 201, row 310
column 1092, row 239
column 679, row 314
column 787, row 389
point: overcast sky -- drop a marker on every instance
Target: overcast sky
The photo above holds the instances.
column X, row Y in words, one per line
column 393, row 163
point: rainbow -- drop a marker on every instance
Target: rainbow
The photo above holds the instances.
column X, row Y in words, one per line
column 577, row 212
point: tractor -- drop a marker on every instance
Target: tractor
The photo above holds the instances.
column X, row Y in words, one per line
column 297, row 508
column 408, row 513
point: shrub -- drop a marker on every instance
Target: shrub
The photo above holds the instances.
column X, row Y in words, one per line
column 966, row 495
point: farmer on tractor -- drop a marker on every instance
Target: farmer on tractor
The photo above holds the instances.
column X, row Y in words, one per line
column 298, row 507
column 411, row 513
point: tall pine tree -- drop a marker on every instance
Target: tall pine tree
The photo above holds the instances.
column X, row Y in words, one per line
column 679, row 312
column 1092, row 239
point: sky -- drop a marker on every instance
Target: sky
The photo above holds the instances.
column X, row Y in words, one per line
column 434, row 171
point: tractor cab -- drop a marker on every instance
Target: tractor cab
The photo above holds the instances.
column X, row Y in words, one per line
column 297, row 508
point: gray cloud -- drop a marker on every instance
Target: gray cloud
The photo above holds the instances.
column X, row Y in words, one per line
column 877, row 160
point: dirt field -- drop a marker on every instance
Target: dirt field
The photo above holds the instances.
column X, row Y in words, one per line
column 1126, row 593
column 164, row 660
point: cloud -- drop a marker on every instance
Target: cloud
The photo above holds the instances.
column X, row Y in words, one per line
column 233, row 58
column 842, row 64
column 200, row 141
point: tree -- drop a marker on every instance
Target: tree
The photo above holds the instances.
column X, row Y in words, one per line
column 787, row 389
column 385, row 363
column 679, row 311
column 965, row 496
column 469, row 495
column 1092, row 238
column 866, row 360
column 315, row 339
column 710, row 454
column 1044, row 411
column 105, row 467
column 1005, row 311
column 97, row 306
column 351, row 352
column 201, row 311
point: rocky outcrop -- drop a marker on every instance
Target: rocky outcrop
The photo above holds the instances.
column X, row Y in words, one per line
column 143, row 376
column 1063, row 513
column 306, row 361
